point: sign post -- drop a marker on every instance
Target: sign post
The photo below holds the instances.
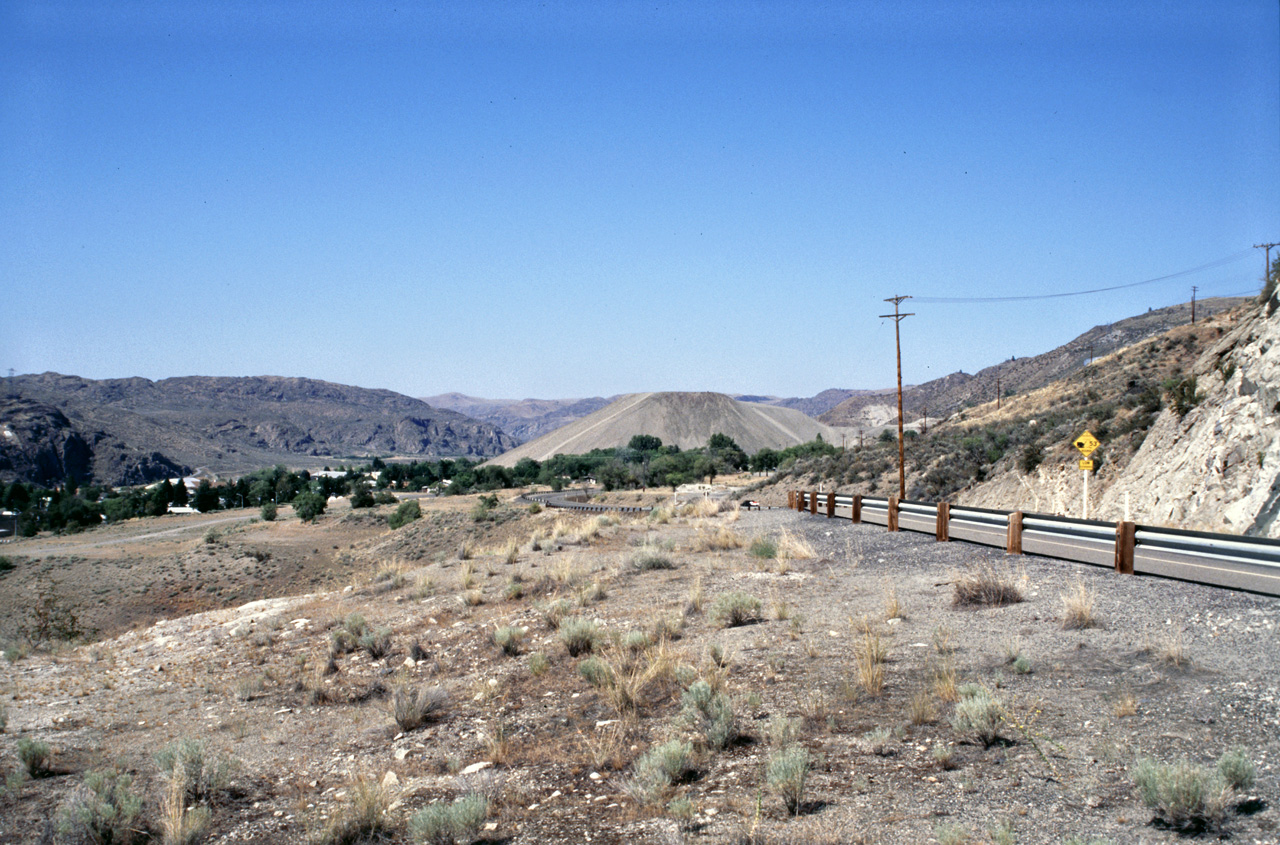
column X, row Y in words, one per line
column 1087, row 444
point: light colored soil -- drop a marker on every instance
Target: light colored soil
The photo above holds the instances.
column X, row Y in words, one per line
column 244, row 680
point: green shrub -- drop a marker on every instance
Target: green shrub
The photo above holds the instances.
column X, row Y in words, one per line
column 658, row 769
column 384, row 497
column 1237, row 769
column 406, row 513
column 269, row 511
column 538, row 664
column 104, row 810
column 595, row 672
column 308, row 506
column 733, row 609
column 362, row 497
column 764, row 547
column 535, row 508
column 447, row 824
column 377, row 642
column 650, row 557
column 34, row 756
column 1182, row 394
column 6, row 563
column 980, row 715
column 1183, row 795
column 786, row 775
column 578, row 635
column 986, row 585
column 508, row 638
column 710, row 714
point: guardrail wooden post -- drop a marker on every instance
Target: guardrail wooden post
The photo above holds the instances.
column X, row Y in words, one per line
column 1013, row 542
column 813, row 502
column 944, row 521
column 1126, row 536
column 791, row 499
column 893, row 514
column 831, row 505
column 857, row 507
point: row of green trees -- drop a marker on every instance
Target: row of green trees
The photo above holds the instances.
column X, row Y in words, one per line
column 643, row 462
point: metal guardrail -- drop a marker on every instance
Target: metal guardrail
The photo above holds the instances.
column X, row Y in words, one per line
column 563, row 500
column 1222, row 560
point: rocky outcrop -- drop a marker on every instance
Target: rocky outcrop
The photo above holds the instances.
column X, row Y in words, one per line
column 1218, row 467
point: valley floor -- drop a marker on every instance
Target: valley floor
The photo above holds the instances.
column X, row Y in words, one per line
column 1171, row 671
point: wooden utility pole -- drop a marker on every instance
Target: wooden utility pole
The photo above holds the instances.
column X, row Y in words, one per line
column 1266, row 270
column 897, row 343
column 997, row 390
column 1193, row 304
column 924, row 425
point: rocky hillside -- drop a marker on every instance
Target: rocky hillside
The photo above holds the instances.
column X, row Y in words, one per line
column 813, row 406
column 124, row 431
column 1217, row 467
column 950, row 393
column 524, row 419
column 683, row 419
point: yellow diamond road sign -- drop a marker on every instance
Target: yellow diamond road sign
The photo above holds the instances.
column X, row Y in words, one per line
column 1086, row 443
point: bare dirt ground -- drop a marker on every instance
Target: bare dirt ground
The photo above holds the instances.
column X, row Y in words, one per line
column 1172, row 671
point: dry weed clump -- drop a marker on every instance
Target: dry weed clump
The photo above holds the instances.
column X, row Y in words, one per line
column 649, row 557
column 986, row 585
column 720, row 539
column 181, row 824
column 870, row 662
column 412, row 707
column 1077, row 606
column 793, row 547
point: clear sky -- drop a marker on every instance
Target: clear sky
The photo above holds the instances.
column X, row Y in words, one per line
column 556, row 199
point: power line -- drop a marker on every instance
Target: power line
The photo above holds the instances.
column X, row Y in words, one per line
column 958, row 299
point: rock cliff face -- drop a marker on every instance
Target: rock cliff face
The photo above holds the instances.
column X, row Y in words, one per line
column 1218, row 467
column 127, row 431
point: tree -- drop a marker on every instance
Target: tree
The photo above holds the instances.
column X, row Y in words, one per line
column 361, row 497
column 722, row 442
column 178, row 495
column 206, row 497
column 766, row 460
column 645, row 443
column 308, row 505
column 705, row 467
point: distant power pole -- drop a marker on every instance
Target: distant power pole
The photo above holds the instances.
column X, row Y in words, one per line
column 924, row 425
column 1266, row 270
column 897, row 343
column 997, row 390
column 1193, row 304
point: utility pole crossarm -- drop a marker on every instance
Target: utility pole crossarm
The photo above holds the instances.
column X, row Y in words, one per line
column 897, row 321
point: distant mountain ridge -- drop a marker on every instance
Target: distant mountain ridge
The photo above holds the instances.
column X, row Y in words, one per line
column 682, row 419
column 136, row 430
column 522, row 419
column 950, row 393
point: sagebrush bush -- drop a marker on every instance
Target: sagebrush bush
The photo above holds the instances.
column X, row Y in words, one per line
column 412, row 707
column 104, row 809
column 538, row 664
column 447, row 824
column 659, row 768
column 204, row 775
column 509, row 639
column 578, row 635
column 710, row 714
column 732, row 609
column 1237, row 769
column 34, row 756
column 765, row 548
column 651, row 557
column 1183, row 794
column 376, row 642
column 979, row 714
column 786, row 775
column 595, row 672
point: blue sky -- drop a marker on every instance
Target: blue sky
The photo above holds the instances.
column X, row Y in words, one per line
column 516, row 199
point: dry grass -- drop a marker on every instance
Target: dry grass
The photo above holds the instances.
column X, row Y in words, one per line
column 946, row 681
column 180, row 824
column 467, row 575
column 1077, row 606
column 986, row 585
column 1126, row 705
column 893, row 606
column 870, row 663
column 719, row 539
column 792, row 547
column 511, row 551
